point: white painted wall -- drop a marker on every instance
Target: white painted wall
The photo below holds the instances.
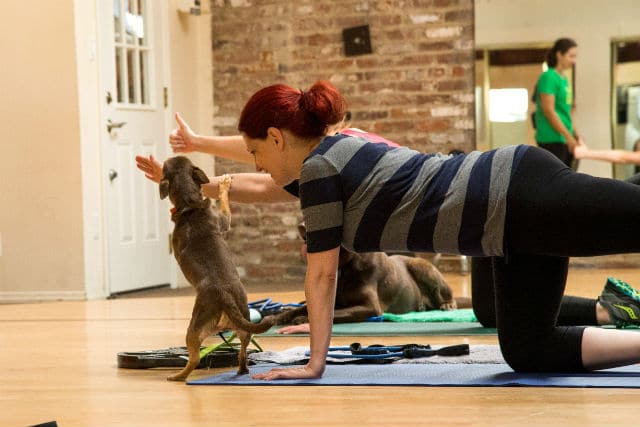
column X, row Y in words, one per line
column 593, row 24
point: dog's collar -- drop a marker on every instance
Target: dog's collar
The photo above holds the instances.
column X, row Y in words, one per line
column 176, row 214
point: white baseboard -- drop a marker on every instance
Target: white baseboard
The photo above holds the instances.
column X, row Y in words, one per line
column 39, row 296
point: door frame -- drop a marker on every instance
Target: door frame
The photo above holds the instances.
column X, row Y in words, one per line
column 90, row 99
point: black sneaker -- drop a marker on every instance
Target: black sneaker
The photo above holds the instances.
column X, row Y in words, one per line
column 622, row 302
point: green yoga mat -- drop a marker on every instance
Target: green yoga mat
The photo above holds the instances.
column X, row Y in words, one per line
column 403, row 328
column 461, row 315
column 433, row 322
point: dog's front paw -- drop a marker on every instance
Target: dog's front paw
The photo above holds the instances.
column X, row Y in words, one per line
column 177, row 377
column 448, row 305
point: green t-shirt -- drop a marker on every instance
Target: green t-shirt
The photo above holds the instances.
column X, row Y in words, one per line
column 552, row 83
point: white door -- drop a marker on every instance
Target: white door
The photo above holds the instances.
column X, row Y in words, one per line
column 133, row 120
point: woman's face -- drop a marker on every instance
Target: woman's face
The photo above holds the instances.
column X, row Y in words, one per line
column 568, row 59
column 269, row 156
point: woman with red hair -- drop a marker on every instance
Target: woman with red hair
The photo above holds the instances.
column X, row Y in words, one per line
column 372, row 197
column 375, row 197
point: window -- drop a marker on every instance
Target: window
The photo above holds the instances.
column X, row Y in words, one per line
column 508, row 105
column 132, row 51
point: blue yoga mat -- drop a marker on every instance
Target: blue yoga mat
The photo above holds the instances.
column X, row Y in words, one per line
column 447, row 375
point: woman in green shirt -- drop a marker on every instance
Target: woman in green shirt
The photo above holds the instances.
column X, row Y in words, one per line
column 554, row 101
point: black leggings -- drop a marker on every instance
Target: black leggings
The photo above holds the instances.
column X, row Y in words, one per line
column 573, row 310
column 554, row 213
column 560, row 150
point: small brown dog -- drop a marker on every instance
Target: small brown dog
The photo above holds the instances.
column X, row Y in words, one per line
column 372, row 283
column 206, row 261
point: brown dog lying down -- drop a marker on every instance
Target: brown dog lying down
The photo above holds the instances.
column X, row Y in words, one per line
column 206, row 261
column 374, row 282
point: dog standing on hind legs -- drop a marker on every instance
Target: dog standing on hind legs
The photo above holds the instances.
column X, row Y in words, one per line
column 206, row 262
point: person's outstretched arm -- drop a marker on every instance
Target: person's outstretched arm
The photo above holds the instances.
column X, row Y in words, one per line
column 245, row 187
column 614, row 156
column 249, row 188
column 184, row 140
column 320, row 293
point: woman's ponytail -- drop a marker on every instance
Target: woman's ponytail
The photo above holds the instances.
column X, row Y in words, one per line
column 307, row 114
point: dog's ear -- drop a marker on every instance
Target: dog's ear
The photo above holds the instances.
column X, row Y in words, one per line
column 164, row 188
column 199, row 176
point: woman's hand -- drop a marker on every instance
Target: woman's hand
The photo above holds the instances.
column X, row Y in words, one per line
column 572, row 143
column 580, row 151
column 302, row 328
column 290, row 373
column 182, row 139
column 151, row 167
column 320, row 294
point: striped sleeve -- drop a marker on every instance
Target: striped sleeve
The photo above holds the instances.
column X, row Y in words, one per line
column 292, row 189
column 321, row 202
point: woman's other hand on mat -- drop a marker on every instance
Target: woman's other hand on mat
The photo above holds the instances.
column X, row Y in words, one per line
column 290, row 373
column 182, row 139
column 151, row 167
column 302, row 328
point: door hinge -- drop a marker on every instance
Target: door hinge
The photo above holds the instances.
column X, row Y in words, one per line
column 170, row 243
column 165, row 92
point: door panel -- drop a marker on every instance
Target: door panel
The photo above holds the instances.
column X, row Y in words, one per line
column 133, row 114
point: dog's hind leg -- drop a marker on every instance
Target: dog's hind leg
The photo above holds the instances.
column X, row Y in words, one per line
column 202, row 319
column 436, row 292
column 193, row 346
column 245, row 338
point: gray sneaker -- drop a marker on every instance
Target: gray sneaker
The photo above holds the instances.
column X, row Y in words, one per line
column 622, row 302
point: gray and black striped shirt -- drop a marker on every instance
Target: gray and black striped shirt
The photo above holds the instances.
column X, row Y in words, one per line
column 374, row 197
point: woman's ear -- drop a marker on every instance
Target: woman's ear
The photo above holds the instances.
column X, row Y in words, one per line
column 275, row 136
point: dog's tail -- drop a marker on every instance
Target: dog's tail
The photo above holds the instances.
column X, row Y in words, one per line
column 234, row 314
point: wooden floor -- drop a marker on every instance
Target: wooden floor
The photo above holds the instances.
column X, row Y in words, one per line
column 60, row 364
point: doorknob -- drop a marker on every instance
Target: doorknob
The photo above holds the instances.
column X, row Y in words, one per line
column 112, row 175
column 114, row 125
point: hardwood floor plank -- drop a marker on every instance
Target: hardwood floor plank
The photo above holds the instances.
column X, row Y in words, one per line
column 59, row 363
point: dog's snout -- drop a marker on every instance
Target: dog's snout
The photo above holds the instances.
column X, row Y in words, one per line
column 164, row 188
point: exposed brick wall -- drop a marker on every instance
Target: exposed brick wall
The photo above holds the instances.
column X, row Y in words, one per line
column 415, row 88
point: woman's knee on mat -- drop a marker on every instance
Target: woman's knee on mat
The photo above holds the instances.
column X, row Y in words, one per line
column 559, row 351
